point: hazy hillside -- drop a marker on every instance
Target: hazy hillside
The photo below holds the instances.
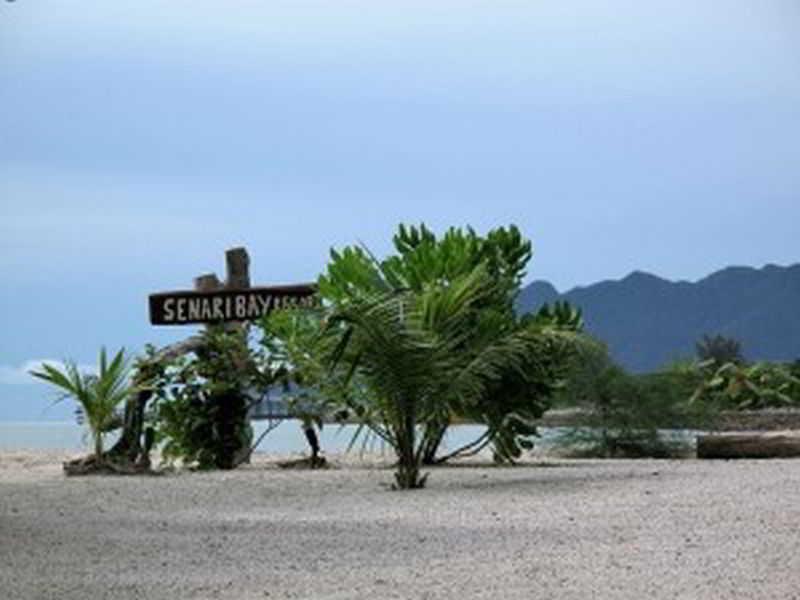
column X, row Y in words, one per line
column 648, row 321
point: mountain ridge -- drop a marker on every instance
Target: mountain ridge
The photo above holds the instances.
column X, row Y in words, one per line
column 647, row 320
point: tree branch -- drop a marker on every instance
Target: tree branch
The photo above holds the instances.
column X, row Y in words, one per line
column 469, row 449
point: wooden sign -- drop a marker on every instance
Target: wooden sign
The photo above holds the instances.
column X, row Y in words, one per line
column 225, row 305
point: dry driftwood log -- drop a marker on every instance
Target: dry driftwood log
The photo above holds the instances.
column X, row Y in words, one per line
column 784, row 444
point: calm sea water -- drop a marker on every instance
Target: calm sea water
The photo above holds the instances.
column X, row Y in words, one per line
column 286, row 438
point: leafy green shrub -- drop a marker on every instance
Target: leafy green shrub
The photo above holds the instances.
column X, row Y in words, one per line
column 424, row 263
column 428, row 335
column 403, row 353
column 201, row 404
column 734, row 386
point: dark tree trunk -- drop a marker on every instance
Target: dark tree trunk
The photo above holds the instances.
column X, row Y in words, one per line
column 131, row 447
column 313, row 442
column 231, row 423
column 232, row 415
column 408, row 476
column 131, row 452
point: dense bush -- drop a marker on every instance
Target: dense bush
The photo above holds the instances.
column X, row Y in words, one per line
column 201, row 402
column 427, row 335
column 424, row 262
column 734, row 386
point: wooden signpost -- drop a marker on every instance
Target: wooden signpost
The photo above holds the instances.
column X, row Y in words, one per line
column 235, row 301
column 220, row 306
column 232, row 303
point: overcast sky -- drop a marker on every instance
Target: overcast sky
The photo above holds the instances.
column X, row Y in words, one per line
column 141, row 139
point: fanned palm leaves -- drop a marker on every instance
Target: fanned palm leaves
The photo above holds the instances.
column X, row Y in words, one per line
column 409, row 349
column 99, row 396
column 428, row 335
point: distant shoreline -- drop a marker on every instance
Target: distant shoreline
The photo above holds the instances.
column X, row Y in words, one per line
column 761, row 420
column 288, row 438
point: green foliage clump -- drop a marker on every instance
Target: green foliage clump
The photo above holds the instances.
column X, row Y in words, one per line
column 734, row 386
column 728, row 382
column 429, row 335
column 404, row 353
column 794, row 369
column 625, row 412
column 424, row 261
column 201, row 402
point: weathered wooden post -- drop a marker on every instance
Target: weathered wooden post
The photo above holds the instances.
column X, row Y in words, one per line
column 237, row 269
column 237, row 273
column 232, row 405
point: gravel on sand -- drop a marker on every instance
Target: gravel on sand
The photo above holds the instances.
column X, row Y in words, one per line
column 557, row 529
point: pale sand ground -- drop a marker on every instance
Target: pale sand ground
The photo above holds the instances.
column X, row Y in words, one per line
column 575, row 529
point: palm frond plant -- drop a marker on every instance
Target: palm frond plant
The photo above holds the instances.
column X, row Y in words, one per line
column 426, row 337
column 98, row 395
column 423, row 261
column 407, row 349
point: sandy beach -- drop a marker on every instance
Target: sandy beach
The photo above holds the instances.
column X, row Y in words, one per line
column 564, row 529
